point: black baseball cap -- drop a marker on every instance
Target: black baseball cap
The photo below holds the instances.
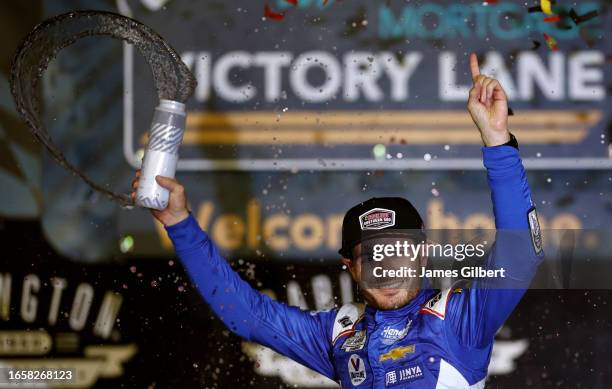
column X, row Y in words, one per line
column 378, row 216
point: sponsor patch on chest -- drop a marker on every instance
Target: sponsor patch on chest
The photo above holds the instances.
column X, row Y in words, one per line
column 355, row 342
column 356, row 370
column 403, row 375
column 397, row 353
column 391, row 335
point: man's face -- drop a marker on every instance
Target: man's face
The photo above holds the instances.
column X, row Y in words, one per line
column 389, row 296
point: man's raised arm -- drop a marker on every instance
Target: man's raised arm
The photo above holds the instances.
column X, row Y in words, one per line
column 300, row 335
column 477, row 315
column 488, row 106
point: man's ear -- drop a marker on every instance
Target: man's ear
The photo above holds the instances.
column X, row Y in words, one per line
column 351, row 267
column 347, row 262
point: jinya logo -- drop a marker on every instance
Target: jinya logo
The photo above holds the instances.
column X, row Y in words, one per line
column 377, row 219
column 400, row 376
column 356, row 369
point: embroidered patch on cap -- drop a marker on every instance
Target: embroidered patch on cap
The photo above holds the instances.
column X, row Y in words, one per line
column 377, row 219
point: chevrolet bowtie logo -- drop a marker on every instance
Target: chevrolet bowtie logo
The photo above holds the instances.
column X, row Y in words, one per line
column 397, row 353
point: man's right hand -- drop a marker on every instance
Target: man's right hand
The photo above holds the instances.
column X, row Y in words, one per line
column 488, row 106
column 177, row 210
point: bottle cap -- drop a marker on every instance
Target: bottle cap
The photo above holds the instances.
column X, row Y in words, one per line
column 172, row 106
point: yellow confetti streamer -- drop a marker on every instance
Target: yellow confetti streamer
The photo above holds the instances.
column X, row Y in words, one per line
column 546, row 6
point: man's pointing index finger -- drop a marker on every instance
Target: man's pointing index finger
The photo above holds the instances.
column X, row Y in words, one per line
column 474, row 66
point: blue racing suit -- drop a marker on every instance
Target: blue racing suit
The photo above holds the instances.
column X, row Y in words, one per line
column 440, row 339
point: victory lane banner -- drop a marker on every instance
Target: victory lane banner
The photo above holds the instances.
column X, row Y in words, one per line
column 373, row 85
column 289, row 202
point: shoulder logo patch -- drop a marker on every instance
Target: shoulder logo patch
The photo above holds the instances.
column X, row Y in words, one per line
column 437, row 304
column 346, row 319
column 355, row 342
column 377, row 219
column 534, row 228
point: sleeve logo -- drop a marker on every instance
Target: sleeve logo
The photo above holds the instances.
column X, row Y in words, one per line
column 355, row 342
column 534, row 228
column 345, row 321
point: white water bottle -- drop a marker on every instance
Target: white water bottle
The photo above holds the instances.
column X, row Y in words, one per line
column 161, row 154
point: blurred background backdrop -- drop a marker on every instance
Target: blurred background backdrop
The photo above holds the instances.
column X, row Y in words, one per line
column 303, row 108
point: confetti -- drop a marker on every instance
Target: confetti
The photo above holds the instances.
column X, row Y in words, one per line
column 292, row 2
column 551, row 42
column 356, row 23
column 552, row 19
column 268, row 13
column 487, row 2
column 582, row 18
column 546, row 6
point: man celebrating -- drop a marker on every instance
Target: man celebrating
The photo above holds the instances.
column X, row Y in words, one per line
column 401, row 337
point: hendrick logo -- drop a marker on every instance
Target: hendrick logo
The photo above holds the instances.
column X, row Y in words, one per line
column 377, row 219
column 391, row 335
